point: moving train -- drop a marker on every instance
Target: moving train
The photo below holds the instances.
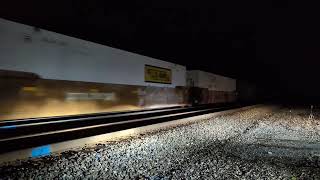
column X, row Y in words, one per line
column 44, row 74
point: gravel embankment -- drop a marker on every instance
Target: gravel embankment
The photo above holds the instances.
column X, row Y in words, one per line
column 228, row 147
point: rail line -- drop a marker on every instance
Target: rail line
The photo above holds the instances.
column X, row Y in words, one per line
column 26, row 133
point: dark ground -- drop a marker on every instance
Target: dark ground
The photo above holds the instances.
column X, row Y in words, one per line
column 266, row 142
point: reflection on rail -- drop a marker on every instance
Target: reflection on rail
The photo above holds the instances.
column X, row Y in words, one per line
column 33, row 132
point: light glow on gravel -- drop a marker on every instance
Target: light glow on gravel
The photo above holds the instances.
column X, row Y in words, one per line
column 224, row 147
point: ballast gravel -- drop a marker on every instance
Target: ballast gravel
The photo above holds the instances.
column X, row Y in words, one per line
column 241, row 145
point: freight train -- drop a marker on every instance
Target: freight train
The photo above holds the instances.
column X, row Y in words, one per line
column 44, row 74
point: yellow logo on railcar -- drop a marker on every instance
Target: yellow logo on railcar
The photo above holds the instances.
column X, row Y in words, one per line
column 157, row 74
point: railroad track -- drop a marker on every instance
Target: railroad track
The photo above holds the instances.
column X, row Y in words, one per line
column 25, row 133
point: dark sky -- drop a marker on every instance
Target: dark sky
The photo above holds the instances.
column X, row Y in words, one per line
column 274, row 44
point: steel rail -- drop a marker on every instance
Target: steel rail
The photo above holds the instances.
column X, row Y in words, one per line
column 42, row 133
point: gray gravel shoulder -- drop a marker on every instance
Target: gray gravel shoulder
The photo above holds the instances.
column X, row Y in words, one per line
column 209, row 149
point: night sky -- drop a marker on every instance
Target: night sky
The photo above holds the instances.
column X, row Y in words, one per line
column 274, row 44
